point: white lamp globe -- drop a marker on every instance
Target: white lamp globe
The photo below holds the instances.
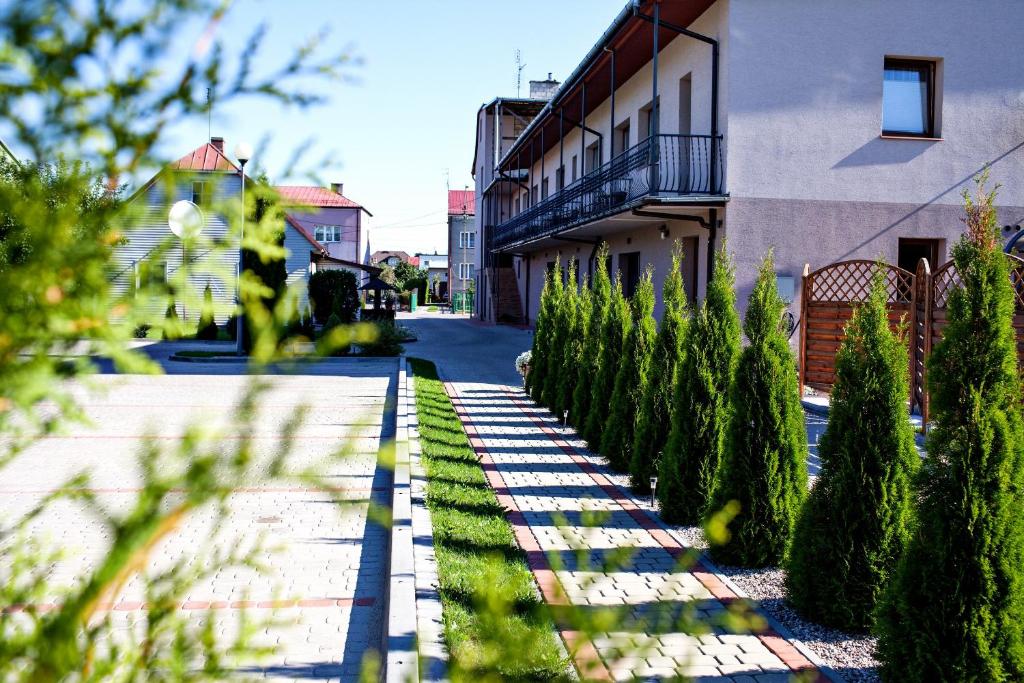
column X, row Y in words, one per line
column 185, row 219
column 243, row 152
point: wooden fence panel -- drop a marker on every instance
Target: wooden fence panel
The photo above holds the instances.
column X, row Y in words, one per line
column 830, row 295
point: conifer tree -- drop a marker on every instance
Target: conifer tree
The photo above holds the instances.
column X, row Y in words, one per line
column 541, row 341
column 856, row 521
column 576, row 301
column 613, row 336
column 559, row 333
column 632, row 376
column 765, row 463
column 654, row 419
column 590, row 356
column 689, row 465
column 207, row 325
column 955, row 609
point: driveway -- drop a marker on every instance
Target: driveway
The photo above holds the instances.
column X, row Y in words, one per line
column 326, row 564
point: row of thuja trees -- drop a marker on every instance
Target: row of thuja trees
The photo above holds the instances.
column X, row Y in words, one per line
column 929, row 555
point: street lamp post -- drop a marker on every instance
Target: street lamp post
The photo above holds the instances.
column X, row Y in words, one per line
column 243, row 152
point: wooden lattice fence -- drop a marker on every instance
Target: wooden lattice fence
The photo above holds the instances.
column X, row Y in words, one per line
column 918, row 304
column 932, row 302
column 828, row 298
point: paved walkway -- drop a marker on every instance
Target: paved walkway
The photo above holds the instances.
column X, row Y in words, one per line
column 325, row 583
column 541, row 472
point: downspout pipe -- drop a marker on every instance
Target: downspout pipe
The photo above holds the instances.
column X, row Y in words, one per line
column 714, row 81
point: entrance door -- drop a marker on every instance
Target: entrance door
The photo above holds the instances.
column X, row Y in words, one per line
column 912, row 250
column 689, row 268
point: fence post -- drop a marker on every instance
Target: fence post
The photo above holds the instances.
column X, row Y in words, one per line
column 804, row 294
column 922, row 337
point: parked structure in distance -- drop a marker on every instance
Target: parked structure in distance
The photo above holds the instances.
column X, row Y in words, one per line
column 687, row 120
column 436, row 267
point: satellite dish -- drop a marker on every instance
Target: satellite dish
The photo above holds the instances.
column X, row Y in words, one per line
column 185, row 219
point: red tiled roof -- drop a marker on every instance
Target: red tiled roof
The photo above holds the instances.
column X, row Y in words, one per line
column 461, row 201
column 311, row 195
column 204, row 158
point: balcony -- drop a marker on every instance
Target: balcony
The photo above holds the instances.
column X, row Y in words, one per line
column 662, row 165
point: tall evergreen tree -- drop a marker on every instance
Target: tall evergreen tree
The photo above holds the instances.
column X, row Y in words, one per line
column 689, row 466
column 541, row 340
column 207, row 325
column 955, row 611
column 856, row 521
column 654, row 419
column 632, row 376
column 765, row 463
column 590, row 357
column 613, row 336
column 577, row 301
column 559, row 333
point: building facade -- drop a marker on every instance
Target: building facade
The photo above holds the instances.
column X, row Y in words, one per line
column 823, row 132
column 209, row 179
column 463, row 252
column 437, row 269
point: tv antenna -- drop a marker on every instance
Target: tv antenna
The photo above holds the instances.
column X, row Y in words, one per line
column 519, row 71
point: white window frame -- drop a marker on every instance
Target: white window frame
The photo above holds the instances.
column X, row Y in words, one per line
column 200, row 193
column 467, row 271
column 327, row 233
column 467, row 239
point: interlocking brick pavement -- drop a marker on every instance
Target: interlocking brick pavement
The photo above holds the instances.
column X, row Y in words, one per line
column 322, row 595
column 550, row 489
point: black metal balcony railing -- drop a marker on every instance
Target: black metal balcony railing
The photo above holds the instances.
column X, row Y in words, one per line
column 673, row 165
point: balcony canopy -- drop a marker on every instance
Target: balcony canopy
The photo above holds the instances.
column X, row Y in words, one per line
column 632, row 39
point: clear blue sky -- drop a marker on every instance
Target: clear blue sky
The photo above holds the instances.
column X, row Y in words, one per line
column 409, row 113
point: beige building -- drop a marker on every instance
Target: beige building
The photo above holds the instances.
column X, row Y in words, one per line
column 825, row 131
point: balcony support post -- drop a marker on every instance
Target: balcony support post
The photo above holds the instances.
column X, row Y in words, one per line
column 715, row 186
column 583, row 129
column 611, row 116
column 654, row 181
column 561, row 144
column 543, row 147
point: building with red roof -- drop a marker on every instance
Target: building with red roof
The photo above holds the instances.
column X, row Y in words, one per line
column 322, row 230
column 462, row 247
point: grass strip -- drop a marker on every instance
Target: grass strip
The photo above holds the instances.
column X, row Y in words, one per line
column 496, row 625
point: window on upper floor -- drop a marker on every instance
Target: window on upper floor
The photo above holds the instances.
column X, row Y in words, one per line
column 533, row 195
column 575, row 169
column 327, row 233
column 560, row 178
column 909, row 98
column 620, row 140
column 467, row 240
column 466, row 271
column 647, row 113
column 200, row 193
column 593, row 158
column 544, row 189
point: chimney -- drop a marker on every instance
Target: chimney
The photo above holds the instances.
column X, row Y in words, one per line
column 543, row 90
column 337, row 187
column 218, row 144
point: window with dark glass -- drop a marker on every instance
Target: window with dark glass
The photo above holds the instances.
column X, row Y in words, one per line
column 908, row 98
column 200, row 193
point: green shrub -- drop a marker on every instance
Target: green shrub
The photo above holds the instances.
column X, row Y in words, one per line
column 955, row 609
column 334, row 291
column 387, row 343
column 654, row 419
column 172, row 323
column 765, row 463
column 575, row 347
column 590, row 356
column 557, row 336
column 207, row 326
column 632, row 376
column 541, row 340
column 613, row 337
column 856, row 521
column 689, row 466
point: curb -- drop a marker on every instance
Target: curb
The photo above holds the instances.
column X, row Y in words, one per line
column 401, row 662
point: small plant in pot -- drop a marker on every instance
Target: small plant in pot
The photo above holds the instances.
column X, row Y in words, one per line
column 523, row 364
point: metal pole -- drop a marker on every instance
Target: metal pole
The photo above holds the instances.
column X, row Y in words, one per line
column 611, row 127
column 239, row 317
column 654, row 104
column 561, row 143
